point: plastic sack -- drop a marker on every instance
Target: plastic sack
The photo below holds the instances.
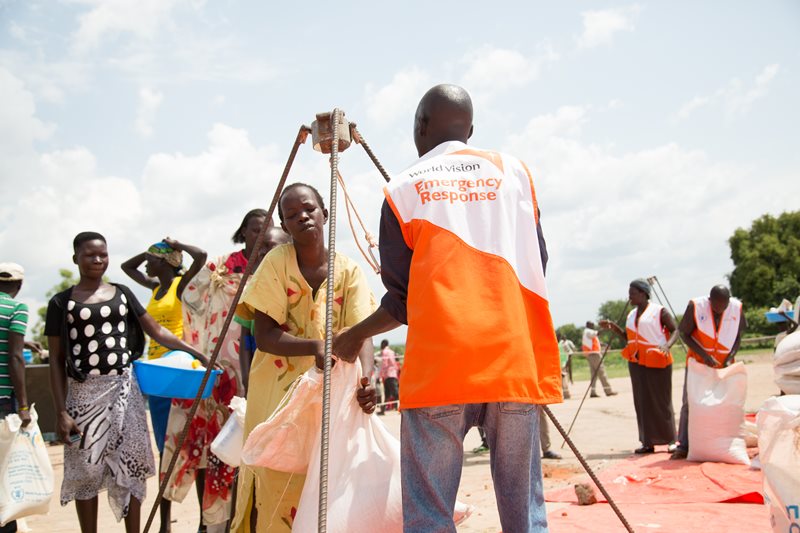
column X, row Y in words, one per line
column 26, row 475
column 786, row 364
column 778, row 423
column 716, row 399
column 230, row 439
column 364, row 492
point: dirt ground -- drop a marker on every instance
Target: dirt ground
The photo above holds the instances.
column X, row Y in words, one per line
column 604, row 433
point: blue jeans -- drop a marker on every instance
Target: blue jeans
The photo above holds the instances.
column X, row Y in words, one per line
column 432, row 441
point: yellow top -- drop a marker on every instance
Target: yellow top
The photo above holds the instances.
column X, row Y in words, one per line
column 279, row 290
column 167, row 312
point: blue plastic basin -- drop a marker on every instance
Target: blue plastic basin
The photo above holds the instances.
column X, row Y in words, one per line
column 167, row 382
column 777, row 317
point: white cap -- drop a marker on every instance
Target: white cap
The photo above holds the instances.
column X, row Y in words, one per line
column 11, row 272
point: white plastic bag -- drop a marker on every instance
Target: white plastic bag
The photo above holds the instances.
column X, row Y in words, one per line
column 26, row 475
column 716, row 412
column 229, row 441
column 778, row 423
column 364, row 492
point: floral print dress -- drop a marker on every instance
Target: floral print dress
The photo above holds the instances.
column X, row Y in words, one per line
column 206, row 303
column 279, row 290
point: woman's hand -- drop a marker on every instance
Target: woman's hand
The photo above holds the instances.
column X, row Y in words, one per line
column 65, row 427
column 366, row 396
column 172, row 243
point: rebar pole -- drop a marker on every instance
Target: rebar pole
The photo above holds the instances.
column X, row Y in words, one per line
column 360, row 140
column 588, row 468
column 300, row 139
column 330, row 295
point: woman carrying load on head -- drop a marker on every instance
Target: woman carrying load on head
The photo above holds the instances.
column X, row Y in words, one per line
column 163, row 274
column 206, row 302
column 650, row 331
column 95, row 331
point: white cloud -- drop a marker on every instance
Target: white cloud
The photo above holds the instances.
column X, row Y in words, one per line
column 494, row 69
column 141, row 18
column 611, row 217
column 149, row 102
column 735, row 98
column 398, row 98
column 599, row 27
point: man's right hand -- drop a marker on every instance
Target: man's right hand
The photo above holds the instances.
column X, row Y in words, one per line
column 66, row 426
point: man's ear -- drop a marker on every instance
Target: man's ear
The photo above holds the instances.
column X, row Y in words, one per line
column 471, row 129
column 283, row 227
column 325, row 214
column 75, row 259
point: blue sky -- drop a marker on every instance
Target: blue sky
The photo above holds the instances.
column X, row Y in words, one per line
column 653, row 129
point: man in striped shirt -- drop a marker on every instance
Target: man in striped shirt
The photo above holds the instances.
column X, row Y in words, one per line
column 13, row 322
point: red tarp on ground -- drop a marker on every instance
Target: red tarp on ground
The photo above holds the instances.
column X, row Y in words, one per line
column 655, row 478
column 662, row 518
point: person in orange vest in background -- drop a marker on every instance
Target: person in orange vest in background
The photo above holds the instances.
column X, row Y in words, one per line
column 591, row 350
column 650, row 331
column 463, row 271
column 712, row 328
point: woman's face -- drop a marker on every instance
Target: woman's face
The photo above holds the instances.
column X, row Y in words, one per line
column 303, row 217
column 636, row 296
column 92, row 259
column 153, row 265
column 251, row 231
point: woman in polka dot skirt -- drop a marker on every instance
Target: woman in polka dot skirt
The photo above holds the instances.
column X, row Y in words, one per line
column 95, row 330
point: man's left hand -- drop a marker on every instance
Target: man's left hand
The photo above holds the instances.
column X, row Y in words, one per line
column 367, row 396
column 346, row 345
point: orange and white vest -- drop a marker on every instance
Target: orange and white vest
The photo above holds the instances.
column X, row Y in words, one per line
column 717, row 342
column 645, row 336
column 590, row 343
column 479, row 324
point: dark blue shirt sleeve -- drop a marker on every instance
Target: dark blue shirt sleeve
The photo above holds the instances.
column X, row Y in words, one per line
column 395, row 265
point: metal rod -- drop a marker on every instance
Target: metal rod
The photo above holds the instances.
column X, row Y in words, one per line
column 588, row 468
column 593, row 378
column 652, row 280
column 330, row 295
column 301, row 138
column 357, row 137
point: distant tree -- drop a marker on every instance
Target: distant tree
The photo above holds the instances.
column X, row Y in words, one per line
column 571, row 332
column 766, row 260
column 613, row 310
column 68, row 279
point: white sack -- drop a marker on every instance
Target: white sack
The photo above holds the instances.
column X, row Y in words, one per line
column 778, row 423
column 786, row 363
column 716, row 399
column 364, row 492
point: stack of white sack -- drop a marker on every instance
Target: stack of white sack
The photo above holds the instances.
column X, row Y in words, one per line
column 778, row 423
column 786, row 363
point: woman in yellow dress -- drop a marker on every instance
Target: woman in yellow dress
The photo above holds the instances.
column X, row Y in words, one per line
column 287, row 299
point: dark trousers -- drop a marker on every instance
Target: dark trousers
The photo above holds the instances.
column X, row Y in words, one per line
column 391, row 391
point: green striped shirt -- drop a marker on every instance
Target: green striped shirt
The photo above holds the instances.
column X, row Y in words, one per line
column 13, row 319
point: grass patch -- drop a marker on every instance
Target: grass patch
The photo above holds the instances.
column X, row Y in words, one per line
column 617, row 367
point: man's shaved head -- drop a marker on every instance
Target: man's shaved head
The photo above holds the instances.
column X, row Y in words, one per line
column 443, row 114
column 720, row 297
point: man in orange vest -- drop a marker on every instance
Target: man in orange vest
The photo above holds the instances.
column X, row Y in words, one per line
column 590, row 345
column 712, row 329
column 462, row 270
